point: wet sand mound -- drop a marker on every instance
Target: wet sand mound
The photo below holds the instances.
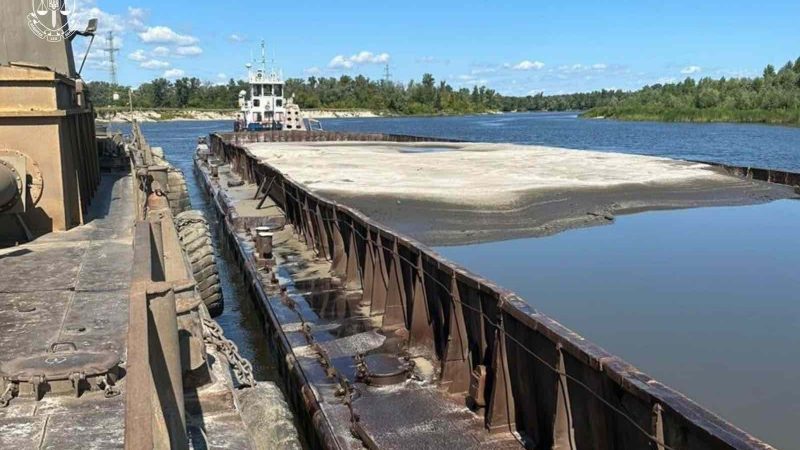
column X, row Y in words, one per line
column 454, row 193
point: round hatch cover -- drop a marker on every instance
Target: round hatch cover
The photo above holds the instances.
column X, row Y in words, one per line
column 59, row 365
column 380, row 369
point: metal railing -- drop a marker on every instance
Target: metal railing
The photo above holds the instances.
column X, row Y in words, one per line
column 554, row 387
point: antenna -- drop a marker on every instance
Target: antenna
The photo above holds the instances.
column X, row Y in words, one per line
column 264, row 55
column 112, row 58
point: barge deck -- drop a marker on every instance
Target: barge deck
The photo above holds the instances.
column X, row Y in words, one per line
column 70, row 288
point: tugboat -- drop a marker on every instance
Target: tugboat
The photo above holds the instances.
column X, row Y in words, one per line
column 264, row 107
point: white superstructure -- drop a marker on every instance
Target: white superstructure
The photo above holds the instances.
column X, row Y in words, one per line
column 264, row 106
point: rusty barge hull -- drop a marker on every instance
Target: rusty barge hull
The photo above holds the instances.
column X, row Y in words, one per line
column 337, row 288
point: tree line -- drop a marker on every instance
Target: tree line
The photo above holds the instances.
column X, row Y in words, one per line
column 162, row 93
column 773, row 97
column 423, row 97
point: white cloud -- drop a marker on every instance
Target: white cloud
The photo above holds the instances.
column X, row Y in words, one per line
column 363, row 57
column 174, row 73
column 138, row 55
column 432, row 60
column 571, row 68
column 586, row 68
column 161, row 51
column 483, row 70
column 154, row 64
column 236, row 38
column 529, row 65
column 165, row 35
column 666, row 80
column 136, row 18
column 688, row 70
column 188, row 51
column 340, row 61
column 470, row 80
column 87, row 9
column 222, row 75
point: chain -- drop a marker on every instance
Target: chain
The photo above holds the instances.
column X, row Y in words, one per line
column 242, row 369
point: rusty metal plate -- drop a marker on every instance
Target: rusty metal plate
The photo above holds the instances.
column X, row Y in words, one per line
column 59, row 365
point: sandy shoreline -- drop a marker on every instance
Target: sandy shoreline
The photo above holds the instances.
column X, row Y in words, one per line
column 197, row 115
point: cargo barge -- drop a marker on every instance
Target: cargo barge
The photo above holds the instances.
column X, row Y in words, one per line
column 385, row 344
column 109, row 282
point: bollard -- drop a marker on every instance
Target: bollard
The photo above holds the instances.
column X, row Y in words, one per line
column 264, row 244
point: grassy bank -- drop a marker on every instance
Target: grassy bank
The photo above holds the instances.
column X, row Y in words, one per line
column 704, row 115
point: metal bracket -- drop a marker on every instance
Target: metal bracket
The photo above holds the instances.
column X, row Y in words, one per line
column 76, row 379
column 37, row 382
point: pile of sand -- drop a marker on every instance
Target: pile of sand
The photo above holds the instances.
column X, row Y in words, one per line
column 469, row 173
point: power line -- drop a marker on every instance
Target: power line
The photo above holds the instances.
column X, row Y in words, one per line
column 387, row 76
column 112, row 58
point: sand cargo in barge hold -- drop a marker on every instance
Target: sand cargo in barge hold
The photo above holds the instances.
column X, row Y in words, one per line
column 388, row 345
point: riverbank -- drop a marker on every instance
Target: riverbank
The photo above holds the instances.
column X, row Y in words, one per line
column 787, row 117
column 164, row 115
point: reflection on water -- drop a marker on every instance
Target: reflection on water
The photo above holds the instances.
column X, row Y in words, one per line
column 705, row 300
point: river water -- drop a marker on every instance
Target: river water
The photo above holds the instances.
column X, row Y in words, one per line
column 705, row 300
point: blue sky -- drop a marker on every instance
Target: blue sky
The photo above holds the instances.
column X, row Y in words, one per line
column 514, row 47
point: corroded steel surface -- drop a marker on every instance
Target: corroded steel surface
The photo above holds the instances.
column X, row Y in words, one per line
column 69, row 287
column 317, row 321
column 544, row 382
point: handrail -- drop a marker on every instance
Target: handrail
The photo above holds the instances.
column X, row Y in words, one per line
column 547, row 382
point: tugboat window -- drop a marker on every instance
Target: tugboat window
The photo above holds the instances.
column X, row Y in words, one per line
column 256, row 103
column 278, row 90
column 267, row 89
column 257, row 90
column 278, row 102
